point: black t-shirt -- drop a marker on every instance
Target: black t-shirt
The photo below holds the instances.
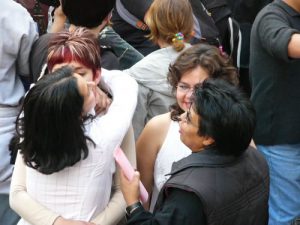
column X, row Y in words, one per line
column 274, row 76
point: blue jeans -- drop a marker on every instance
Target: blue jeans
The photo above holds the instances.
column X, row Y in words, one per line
column 284, row 200
column 127, row 55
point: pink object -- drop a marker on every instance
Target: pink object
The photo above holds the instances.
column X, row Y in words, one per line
column 128, row 170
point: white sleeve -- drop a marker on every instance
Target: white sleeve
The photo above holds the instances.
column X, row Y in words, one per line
column 113, row 126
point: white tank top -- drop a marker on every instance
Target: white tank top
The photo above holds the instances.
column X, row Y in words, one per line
column 171, row 151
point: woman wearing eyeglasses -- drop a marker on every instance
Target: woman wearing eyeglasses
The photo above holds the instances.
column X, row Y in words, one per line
column 159, row 144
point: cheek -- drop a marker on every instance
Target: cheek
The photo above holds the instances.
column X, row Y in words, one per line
column 180, row 99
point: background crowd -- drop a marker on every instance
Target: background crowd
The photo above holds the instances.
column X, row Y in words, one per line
column 202, row 96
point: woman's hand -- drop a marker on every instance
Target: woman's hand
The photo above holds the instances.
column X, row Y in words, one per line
column 102, row 101
column 130, row 189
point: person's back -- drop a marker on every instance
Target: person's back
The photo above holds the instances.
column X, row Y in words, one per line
column 18, row 31
column 274, row 69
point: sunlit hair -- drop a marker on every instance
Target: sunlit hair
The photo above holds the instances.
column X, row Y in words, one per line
column 226, row 115
column 79, row 45
column 51, row 123
column 210, row 59
column 166, row 18
column 89, row 13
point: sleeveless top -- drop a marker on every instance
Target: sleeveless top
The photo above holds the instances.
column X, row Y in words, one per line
column 171, row 151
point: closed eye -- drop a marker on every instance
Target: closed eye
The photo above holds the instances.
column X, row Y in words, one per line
column 183, row 87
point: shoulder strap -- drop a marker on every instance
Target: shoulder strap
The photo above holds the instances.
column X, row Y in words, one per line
column 129, row 18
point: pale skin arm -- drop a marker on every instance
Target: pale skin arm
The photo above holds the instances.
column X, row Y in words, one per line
column 130, row 189
column 294, row 46
column 148, row 146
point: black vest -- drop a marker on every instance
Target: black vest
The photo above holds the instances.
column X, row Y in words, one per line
column 233, row 190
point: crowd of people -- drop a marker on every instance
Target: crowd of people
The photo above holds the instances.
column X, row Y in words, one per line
column 202, row 102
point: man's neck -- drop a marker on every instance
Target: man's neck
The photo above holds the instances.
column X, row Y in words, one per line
column 295, row 4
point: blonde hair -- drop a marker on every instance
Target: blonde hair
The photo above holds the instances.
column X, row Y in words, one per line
column 168, row 18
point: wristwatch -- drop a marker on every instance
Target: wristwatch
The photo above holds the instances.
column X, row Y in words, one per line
column 131, row 208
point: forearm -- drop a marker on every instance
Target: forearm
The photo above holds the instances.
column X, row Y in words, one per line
column 114, row 211
column 31, row 211
column 294, row 47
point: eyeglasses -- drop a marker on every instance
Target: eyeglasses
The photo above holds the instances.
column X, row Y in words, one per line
column 184, row 88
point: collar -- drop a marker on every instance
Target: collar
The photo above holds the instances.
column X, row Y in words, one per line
column 291, row 11
column 208, row 157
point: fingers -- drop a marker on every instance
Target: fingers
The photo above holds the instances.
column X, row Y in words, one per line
column 102, row 101
column 136, row 177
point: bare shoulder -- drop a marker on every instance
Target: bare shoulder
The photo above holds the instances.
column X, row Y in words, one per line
column 159, row 124
column 155, row 131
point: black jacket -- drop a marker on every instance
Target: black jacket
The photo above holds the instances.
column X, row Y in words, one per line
column 232, row 190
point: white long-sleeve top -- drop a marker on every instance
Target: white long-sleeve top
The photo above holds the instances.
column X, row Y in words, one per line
column 82, row 191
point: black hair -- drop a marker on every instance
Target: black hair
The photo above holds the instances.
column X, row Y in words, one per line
column 226, row 115
column 51, row 123
column 89, row 13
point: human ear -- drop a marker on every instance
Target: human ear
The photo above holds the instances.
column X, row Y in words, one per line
column 208, row 141
column 97, row 76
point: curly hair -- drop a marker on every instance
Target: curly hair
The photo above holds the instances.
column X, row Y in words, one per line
column 207, row 57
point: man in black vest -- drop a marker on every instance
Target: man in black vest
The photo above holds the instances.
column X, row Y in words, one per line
column 223, row 181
